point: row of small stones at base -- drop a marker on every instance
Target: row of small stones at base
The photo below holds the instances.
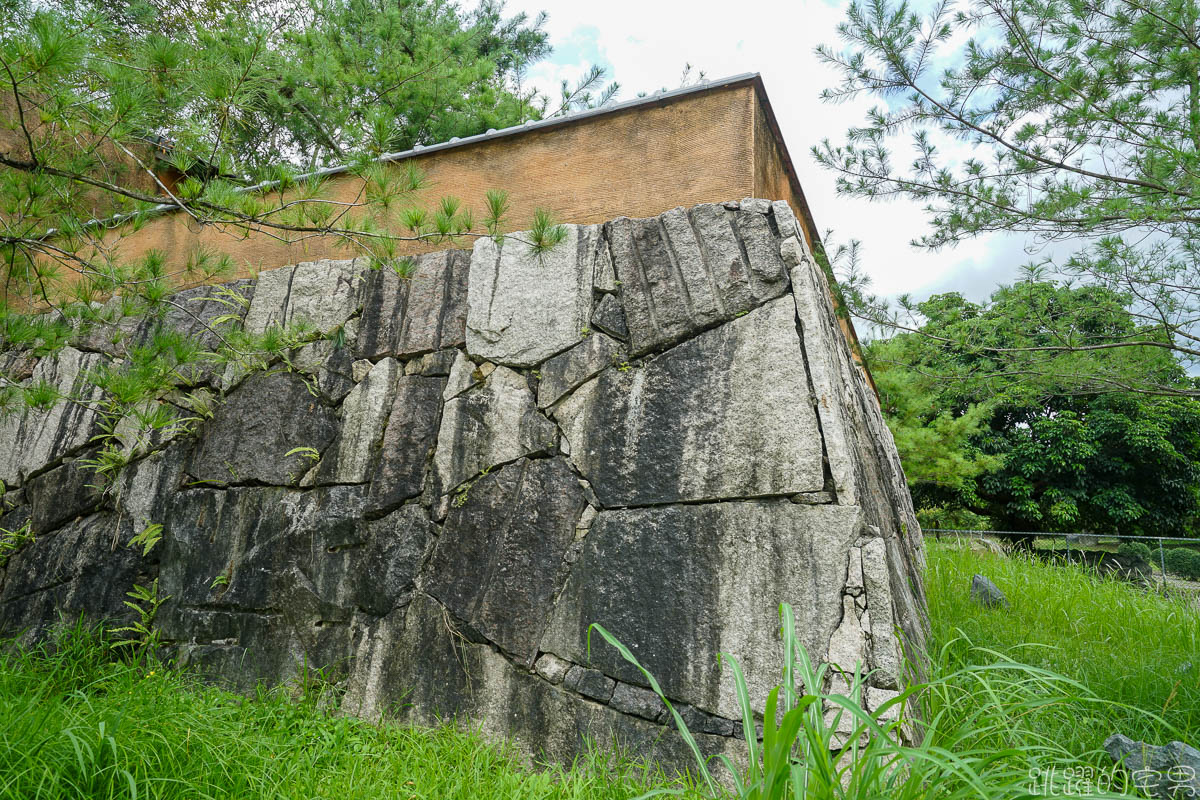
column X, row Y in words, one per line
column 640, row 702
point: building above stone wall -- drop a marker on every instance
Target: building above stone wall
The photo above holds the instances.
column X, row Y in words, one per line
column 656, row 426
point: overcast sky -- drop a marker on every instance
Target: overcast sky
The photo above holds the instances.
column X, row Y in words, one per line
column 645, row 45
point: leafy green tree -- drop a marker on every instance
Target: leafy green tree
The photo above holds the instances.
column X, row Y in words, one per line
column 1032, row 451
column 1061, row 120
column 89, row 109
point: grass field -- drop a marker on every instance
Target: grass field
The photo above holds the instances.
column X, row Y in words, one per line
column 1043, row 684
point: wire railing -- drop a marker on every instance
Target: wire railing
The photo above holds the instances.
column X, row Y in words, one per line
column 1082, row 540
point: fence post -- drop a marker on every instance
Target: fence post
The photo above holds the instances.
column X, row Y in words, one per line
column 1162, row 563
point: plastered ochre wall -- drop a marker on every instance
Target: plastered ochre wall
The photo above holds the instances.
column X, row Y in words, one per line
column 698, row 148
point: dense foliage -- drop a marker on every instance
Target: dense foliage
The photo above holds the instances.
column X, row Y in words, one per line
column 1060, row 120
column 1022, row 446
column 101, row 101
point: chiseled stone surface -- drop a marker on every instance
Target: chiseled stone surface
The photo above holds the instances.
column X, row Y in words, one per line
column 723, row 415
column 324, row 294
column 523, row 307
column 642, row 427
column 494, row 423
column 688, row 269
column 417, row 314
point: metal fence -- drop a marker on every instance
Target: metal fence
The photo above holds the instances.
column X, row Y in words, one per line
column 1082, row 540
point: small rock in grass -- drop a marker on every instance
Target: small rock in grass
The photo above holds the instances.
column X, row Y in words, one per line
column 987, row 594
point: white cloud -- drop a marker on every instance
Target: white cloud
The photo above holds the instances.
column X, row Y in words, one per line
column 646, row 44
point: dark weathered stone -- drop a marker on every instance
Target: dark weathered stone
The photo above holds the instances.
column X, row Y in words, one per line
column 278, row 575
column 590, row 683
column 82, row 569
column 723, row 415
column 637, row 701
column 419, row 314
column 407, row 441
column 17, row 365
column 250, row 435
column 424, row 671
column 681, row 584
column 497, row 563
column 1169, row 772
column 62, row 494
column 568, row 370
column 609, row 317
column 986, row 593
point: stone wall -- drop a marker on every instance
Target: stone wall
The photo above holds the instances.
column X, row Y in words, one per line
column 656, row 426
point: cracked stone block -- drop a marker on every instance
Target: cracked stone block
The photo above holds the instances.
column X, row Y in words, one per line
column 497, row 562
column 35, row 438
column 524, row 307
column 493, row 423
column 420, row 669
column 723, row 415
column 678, row 584
column 551, row 667
column 352, row 457
column 848, row 645
column 323, row 294
column 464, row 374
column 582, row 362
column 418, row 314
column 590, row 683
column 249, row 436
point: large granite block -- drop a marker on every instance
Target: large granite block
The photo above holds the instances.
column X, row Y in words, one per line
column 249, row 437
column 524, row 307
column 686, row 270
column 424, row 312
column 724, row 415
column 680, row 584
column 498, row 561
column 322, row 294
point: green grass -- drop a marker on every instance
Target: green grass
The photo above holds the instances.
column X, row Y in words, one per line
column 77, row 725
column 1129, row 647
column 1036, row 687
